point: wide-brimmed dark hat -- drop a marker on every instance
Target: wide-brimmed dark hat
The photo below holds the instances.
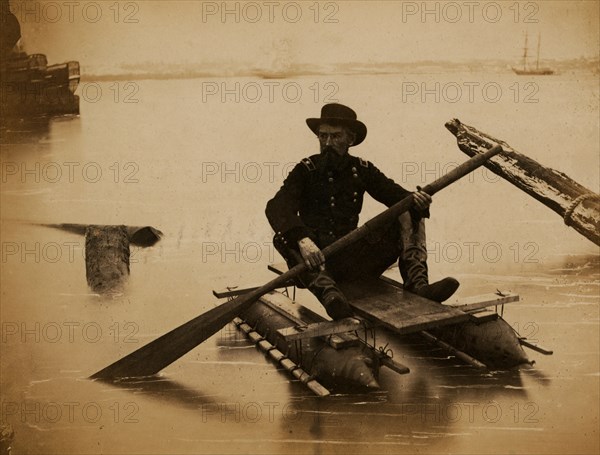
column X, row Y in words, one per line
column 338, row 114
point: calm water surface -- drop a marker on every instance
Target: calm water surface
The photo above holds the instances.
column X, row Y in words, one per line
column 201, row 171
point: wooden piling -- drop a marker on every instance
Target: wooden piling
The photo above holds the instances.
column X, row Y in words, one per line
column 143, row 236
column 107, row 251
column 106, row 257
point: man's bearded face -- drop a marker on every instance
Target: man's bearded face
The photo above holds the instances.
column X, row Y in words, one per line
column 335, row 139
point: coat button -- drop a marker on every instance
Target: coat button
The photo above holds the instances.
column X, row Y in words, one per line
column 355, row 194
column 354, row 200
column 330, row 179
column 355, row 175
column 330, row 232
column 354, row 170
column 333, row 204
column 332, row 198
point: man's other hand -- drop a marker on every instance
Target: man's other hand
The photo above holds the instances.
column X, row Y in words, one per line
column 312, row 255
column 422, row 200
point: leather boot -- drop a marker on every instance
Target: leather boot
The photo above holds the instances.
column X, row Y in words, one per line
column 439, row 291
column 414, row 274
column 334, row 301
column 413, row 263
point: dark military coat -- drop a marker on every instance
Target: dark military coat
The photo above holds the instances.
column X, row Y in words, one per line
column 324, row 203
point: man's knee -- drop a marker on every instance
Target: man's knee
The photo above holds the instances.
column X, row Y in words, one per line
column 405, row 221
column 412, row 238
column 292, row 258
column 411, row 225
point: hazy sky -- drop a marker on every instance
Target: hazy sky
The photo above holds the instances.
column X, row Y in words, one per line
column 159, row 31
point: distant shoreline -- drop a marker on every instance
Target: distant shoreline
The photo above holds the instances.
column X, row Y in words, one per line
column 357, row 69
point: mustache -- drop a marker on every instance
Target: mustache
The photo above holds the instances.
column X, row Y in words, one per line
column 332, row 158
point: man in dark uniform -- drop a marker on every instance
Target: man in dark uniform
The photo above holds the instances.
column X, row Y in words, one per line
column 320, row 201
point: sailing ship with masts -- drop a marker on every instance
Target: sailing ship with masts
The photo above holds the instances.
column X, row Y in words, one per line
column 528, row 70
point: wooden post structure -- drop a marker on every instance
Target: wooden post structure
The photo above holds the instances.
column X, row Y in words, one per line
column 578, row 206
column 138, row 235
column 107, row 251
column 106, row 257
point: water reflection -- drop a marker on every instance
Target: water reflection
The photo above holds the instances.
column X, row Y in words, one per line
column 163, row 389
column 540, row 377
column 418, row 412
column 23, row 131
column 439, row 399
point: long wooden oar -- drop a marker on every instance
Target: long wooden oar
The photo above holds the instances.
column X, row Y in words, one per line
column 163, row 351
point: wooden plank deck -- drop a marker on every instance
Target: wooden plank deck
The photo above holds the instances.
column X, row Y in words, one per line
column 390, row 306
column 396, row 309
column 473, row 303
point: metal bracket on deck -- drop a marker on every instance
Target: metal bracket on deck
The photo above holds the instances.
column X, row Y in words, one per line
column 233, row 291
column 339, row 334
column 483, row 315
column 478, row 302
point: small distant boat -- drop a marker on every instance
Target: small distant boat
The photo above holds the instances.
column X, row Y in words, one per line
column 527, row 70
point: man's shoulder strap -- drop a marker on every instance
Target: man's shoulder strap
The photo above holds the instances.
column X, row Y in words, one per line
column 363, row 163
column 308, row 163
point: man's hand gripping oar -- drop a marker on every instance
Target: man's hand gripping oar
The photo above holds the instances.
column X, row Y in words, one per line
column 163, row 351
column 314, row 257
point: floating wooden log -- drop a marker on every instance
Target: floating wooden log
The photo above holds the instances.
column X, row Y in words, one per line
column 138, row 235
column 106, row 257
column 578, row 206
